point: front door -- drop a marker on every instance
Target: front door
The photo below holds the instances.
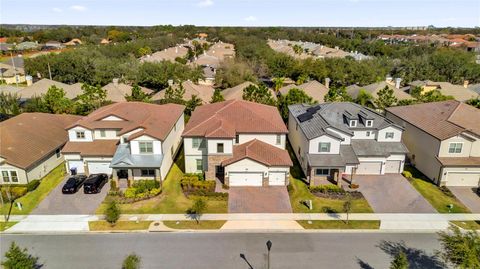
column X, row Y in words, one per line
column 219, row 172
column 123, row 173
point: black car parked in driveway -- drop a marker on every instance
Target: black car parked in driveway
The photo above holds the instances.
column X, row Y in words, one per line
column 73, row 184
column 94, row 183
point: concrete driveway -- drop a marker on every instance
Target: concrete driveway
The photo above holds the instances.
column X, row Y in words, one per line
column 258, row 200
column 392, row 194
column 468, row 197
column 57, row 203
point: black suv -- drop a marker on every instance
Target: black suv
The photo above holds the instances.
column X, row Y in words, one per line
column 73, row 184
column 94, row 183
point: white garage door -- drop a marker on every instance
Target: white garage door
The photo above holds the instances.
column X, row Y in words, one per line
column 76, row 164
column 99, row 167
column 245, row 179
column 276, row 179
column 369, row 168
column 463, row 179
column 392, row 167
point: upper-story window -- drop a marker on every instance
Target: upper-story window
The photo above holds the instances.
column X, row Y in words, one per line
column 389, row 135
column 80, row 134
column 196, row 142
column 369, row 123
column 102, row 133
column 353, row 123
column 324, row 147
column 220, row 148
column 146, row 147
column 237, row 139
column 455, row 148
column 278, row 140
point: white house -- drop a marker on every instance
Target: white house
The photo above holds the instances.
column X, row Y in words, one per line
column 130, row 140
column 335, row 139
column 239, row 143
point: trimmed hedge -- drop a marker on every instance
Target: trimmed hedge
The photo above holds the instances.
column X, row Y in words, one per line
column 194, row 182
column 210, row 195
column 327, row 189
column 407, row 174
column 33, row 185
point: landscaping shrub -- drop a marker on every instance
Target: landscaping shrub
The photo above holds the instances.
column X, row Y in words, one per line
column 32, row 185
column 289, row 188
column 18, row 192
column 132, row 261
column 130, row 193
column 112, row 213
column 193, row 182
column 219, row 196
column 407, row 174
column 327, row 189
column 446, row 191
column 113, row 185
column 145, row 185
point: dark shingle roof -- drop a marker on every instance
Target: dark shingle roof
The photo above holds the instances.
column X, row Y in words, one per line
column 370, row 147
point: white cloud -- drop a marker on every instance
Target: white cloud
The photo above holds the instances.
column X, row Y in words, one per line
column 251, row 18
column 78, row 8
column 56, row 9
column 205, row 3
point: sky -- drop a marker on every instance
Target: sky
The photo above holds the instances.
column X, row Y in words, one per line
column 440, row 13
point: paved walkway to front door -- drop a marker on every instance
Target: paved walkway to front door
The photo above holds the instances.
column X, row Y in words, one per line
column 468, row 197
column 259, row 200
column 392, row 193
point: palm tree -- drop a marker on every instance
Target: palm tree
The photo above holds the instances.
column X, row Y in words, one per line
column 278, row 83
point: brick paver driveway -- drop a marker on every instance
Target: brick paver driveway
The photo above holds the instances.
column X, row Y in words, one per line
column 392, row 194
column 468, row 197
column 57, row 203
column 258, row 200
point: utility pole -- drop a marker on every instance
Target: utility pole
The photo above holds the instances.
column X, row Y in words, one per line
column 14, row 68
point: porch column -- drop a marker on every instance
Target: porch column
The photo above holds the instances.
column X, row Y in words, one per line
column 114, row 175
column 336, row 178
column 130, row 177
column 157, row 175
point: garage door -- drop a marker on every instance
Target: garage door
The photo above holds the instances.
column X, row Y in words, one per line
column 245, row 179
column 369, row 168
column 276, row 179
column 463, row 179
column 99, row 167
column 392, row 167
column 76, row 164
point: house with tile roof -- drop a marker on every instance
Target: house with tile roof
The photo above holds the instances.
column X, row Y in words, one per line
column 374, row 88
column 204, row 92
column 312, row 88
column 236, row 92
column 461, row 93
column 30, row 145
column 41, row 87
column 239, row 143
column 343, row 139
column 127, row 140
column 117, row 91
column 443, row 139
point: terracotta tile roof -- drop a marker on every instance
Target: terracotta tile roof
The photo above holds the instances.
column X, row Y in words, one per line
column 41, row 87
column 168, row 54
column 203, row 92
column 261, row 152
column 460, row 161
column 225, row 119
column 116, row 91
column 155, row 120
column 236, row 92
column 104, row 148
column 458, row 92
column 29, row 137
column 313, row 88
column 440, row 119
column 374, row 88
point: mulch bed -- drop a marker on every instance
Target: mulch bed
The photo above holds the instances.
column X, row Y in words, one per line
column 339, row 196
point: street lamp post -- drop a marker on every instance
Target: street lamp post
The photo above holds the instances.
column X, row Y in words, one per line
column 269, row 246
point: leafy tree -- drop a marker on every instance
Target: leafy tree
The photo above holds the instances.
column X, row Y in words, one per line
column 191, row 104
column 434, row 96
column 174, row 95
column 364, row 98
column 17, row 258
column 132, row 261
column 301, row 79
column 347, row 205
column 156, row 75
column 118, row 36
column 198, row 208
column 35, row 104
column 297, row 49
column 416, row 92
column 259, row 94
column 294, row 96
column 112, row 213
column 407, row 102
column 400, row 261
column 337, row 95
column 144, row 51
column 278, row 83
column 475, row 102
column 137, row 95
column 92, row 98
column 9, row 104
column 56, row 102
column 233, row 72
column 217, row 96
column 462, row 249
column 386, row 98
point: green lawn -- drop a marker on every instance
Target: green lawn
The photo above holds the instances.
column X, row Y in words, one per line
column 468, row 225
column 172, row 200
column 32, row 199
column 102, row 225
column 432, row 193
column 192, row 225
column 6, row 225
column 340, row 224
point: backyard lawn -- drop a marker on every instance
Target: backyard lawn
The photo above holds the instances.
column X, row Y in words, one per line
column 192, row 225
column 433, row 194
column 33, row 198
column 102, row 225
column 340, row 224
column 172, row 200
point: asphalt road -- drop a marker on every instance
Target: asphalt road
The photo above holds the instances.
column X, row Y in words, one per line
column 223, row 250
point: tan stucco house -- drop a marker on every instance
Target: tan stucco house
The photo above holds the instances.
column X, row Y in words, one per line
column 238, row 142
column 443, row 139
column 30, row 145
